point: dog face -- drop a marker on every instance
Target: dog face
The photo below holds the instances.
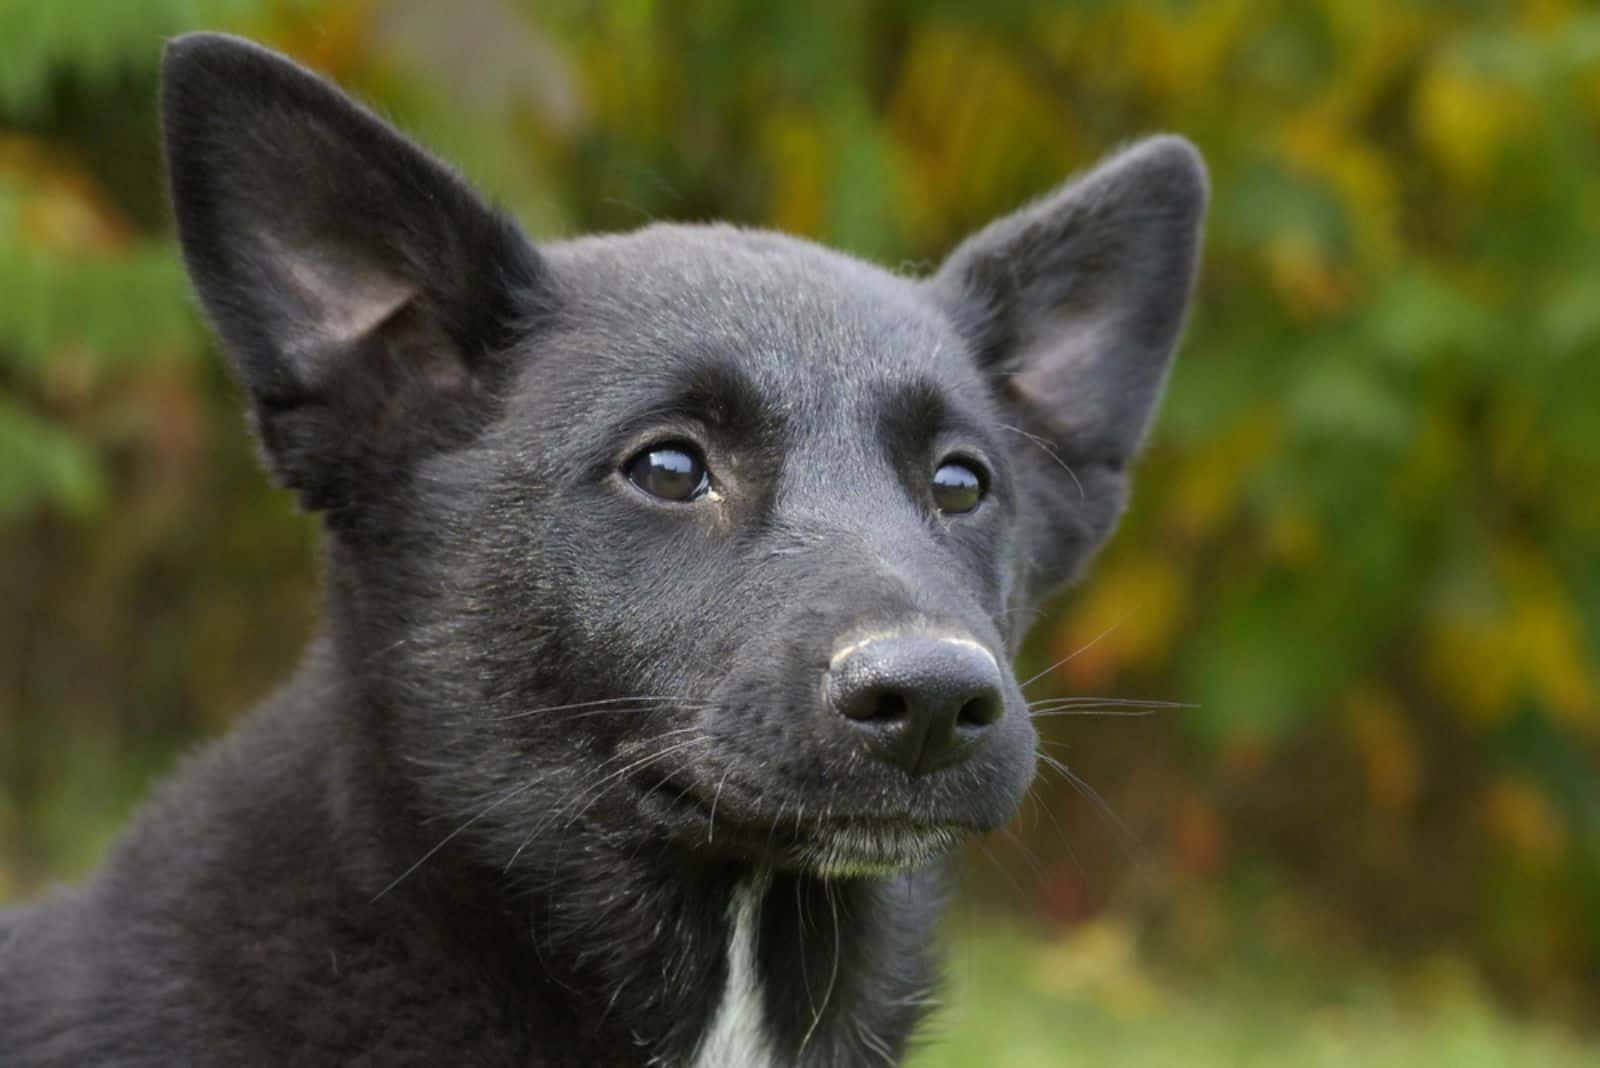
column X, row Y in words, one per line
column 773, row 488
column 696, row 537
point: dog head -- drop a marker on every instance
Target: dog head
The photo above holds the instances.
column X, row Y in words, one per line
column 695, row 535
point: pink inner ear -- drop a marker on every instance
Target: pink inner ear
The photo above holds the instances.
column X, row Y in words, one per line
column 1062, row 371
column 343, row 297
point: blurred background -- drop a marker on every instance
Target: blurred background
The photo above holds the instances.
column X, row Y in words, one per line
column 1364, row 546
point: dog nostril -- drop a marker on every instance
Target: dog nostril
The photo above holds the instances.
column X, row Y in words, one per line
column 871, row 704
column 890, row 707
column 981, row 711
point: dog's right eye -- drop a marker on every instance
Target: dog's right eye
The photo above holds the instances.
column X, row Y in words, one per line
column 670, row 472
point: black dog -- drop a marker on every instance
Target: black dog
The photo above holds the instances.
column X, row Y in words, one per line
column 672, row 580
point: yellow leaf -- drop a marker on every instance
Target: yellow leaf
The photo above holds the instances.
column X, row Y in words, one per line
column 1462, row 658
column 1546, row 14
column 1293, row 538
column 1319, row 146
column 1377, row 42
column 1544, row 638
column 62, row 207
column 1529, row 644
column 1467, row 121
column 1181, row 49
column 1304, row 275
column 1377, row 724
column 1519, row 814
column 1205, row 493
column 797, row 158
column 957, row 162
column 335, row 39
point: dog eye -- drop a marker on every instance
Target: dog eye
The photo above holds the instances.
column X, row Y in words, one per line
column 671, row 472
column 957, row 487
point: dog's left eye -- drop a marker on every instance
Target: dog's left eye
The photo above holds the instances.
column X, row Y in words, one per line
column 957, row 487
column 670, row 472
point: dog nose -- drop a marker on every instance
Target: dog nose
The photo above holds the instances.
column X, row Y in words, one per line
column 920, row 702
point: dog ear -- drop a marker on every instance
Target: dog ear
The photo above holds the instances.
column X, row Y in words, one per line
column 363, row 291
column 1074, row 305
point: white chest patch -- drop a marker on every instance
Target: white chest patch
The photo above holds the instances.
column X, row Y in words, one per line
column 737, row 1035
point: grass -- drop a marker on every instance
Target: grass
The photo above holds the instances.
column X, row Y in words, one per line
column 1014, row 1002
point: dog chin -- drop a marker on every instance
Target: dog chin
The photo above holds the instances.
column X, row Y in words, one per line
column 856, row 847
column 866, row 849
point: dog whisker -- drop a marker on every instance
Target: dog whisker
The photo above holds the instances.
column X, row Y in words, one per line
column 1090, row 644
column 1052, row 708
column 1049, row 450
column 598, row 790
column 1010, row 878
column 833, row 973
column 502, row 799
column 617, row 776
column 1133, row 702
column 804, row 929
column 1125, row 837
column 1026, row 854
column 773, row 829
column 647, row 710
column 576, row 705
column 1061, row 832
column 711, row 825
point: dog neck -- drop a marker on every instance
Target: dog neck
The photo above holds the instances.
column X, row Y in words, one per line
column 821, row 972
column 711, row 966
column 738, row 1030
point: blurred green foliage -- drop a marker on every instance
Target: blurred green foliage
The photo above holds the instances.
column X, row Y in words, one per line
column 1365, row 540
column 1087, row 999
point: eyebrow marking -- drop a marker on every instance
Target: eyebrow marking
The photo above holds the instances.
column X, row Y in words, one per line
column 922, row 411
column 713, row 391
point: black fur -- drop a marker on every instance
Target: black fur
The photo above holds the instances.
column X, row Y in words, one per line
column 552, row 727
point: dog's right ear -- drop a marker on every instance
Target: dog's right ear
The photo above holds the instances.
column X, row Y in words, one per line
column 365, row 294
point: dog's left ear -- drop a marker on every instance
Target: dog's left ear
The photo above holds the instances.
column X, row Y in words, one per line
column 1074, row 305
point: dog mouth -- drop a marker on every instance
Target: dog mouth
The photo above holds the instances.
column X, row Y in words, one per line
column 826, row 845
column 874, row 847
